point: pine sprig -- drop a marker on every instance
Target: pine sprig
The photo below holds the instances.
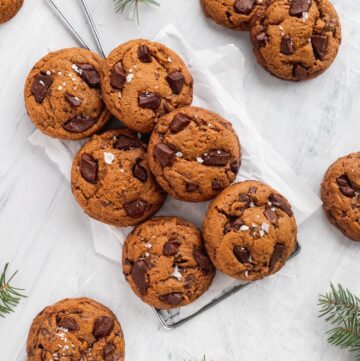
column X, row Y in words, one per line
column 342, row 309
column 122, row 5
column 9, row 296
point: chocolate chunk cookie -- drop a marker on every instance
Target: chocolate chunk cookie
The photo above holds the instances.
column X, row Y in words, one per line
column 249, row 231
column 9, row 8
column 76, row 329
column 233, row 14
column 62, row 94
column 165, row 263
column 142, row 81
column 340, row 193
column 296, row 39
column 111, row 181
column 194, row 154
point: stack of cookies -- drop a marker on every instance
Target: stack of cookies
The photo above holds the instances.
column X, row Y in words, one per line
column 122, row 176
column 293, row 39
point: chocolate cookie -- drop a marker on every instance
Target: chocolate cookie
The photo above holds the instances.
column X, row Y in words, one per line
column 62, row 94
column 194, row 154
column 165, row 263
column 111, row 181
column 296, row 39
column 76, row 329
column 142, row 81
column 233, row 14
column 249, row 231
column 340, row 193
column 9, row 8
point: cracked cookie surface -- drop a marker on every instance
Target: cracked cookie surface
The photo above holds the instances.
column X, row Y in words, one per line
column 340, row 193
column 194, row 154
column 62, row 94
column 111, row 181
column 165, row 263
column 77, row 329
column 143, row 80
column 9, row 8
column 249, row 231
column 296, row 40
column 233, row 14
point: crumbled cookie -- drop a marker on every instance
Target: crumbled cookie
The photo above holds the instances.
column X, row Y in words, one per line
column 62, row 94
column 340, row 193
column 249, row 231
column 233, row 14
column 111, row 181
column 194, row 154
column 9, row 8
column 296, row 39
column 143, row 80
column 76, row 329
column 165, row 263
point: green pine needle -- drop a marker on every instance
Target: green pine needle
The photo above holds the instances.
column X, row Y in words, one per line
column 9, row 296
column 342, row 309
column 121, row 5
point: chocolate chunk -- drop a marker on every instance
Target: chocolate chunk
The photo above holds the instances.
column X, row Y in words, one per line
column 202, row 260
column 88, row 168
column 191, row 187
column 271, row 215
column 125, row 142
column 235, row 165
column 144, row 54
column 319, row 44
column 287, row 46
column 88, row 73
column 117, row 76
column 298, row 7
column 345, row 186
column 244, row 6
column 216, row 185
column 279, row 201
column 40, row 87
column 216, row 157
column 164, row 154
column 136, row 208
column 252, row 190
column 73, row 100
column 176, row 81
column 173, row 299
column 234, row 225
column 108, row 351
column 139, row 276
column 69, row 323
column 261, row 39
column 277, row 254
column 189, row 279
column 103, row 326
column 179, row 123
column 140, row 172
column 149, row 100
column 79, row 124
column 242, row 254
column 171, row 247
column 299, row 72
column 244, row 198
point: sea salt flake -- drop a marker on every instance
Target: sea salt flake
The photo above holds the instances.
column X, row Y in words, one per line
column 179, row 154
column 244, row 228
column 59, row 87
column 265, row 227
column 200, row 160
column 262, row 233
column 108, row 158
column 148, row 245
column 129, row 77
column 48, row 72
column 76, row 69
column 169, row 59
column 176, row 273
column 251, row 204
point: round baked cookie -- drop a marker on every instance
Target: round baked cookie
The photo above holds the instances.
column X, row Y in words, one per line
column 249, row 231
column 296, row 39
column 111, row 181
column 233, row 14
column 165, row 263
column 194, row 154
column 76, row 329
column 62, row 94
column 9, row 8
column 143, row 80
column 340, row 193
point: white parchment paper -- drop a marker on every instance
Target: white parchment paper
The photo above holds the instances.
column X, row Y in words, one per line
column 211, row 69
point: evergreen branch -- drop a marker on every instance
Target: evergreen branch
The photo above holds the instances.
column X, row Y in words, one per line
column 342, row 309
column 9, row 296
column 121, row 5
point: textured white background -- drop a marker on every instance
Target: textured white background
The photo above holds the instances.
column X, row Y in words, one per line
column 46, row 235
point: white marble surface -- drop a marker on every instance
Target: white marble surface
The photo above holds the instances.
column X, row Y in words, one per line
column 46, row 236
